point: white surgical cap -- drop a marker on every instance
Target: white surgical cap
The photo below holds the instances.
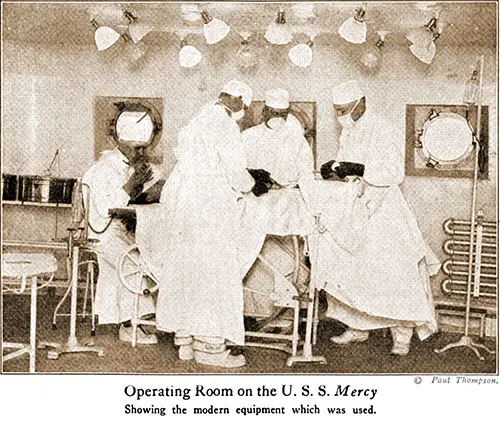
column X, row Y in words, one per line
column 277, row 98
column 347, row 92
column 239, row 89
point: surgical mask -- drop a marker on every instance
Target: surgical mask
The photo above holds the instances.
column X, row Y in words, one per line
column 346, row 120
column 237, row 115
column 276, row 123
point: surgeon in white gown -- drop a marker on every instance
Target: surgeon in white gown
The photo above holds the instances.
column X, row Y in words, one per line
column 116, row 178
column 279, row 147
column 378, row 275
column 197, row 239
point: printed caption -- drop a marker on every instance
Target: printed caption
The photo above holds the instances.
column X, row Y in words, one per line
column 300, row 399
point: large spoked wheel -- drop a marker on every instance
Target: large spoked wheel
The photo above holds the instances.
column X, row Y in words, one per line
column 134, row 275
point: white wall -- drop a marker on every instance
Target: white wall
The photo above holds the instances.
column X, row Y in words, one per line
column 48, row 94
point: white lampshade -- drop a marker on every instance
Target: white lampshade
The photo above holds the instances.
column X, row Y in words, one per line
column 189, row 56
column 138, row 30
column 424, row 54
column 278, row 32
column 214, row 29
column 353, row 31
column 421, row 36
column 301, row 55
column 105, row 37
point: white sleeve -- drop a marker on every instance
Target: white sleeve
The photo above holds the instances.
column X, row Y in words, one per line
column 233, row 160
column 384, row 165
column 105, row 192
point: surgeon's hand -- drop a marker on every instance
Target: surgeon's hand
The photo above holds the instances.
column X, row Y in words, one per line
column 329, row 170
column 263, row 181
column 142, row 174
column 340, row 170
column 260, row 189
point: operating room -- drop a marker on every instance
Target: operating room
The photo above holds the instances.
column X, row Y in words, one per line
column 72, row 71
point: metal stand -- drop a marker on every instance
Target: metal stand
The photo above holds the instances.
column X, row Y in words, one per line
column 465, row 340
column 77, row 237
column 311, row 321
column 310, row 336
column 133, row 274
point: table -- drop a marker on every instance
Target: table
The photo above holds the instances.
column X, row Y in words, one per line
column 24, row 266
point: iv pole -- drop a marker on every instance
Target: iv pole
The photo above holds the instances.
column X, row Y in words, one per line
column 466, row 340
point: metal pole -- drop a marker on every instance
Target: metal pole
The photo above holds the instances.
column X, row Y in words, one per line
column 474, row 194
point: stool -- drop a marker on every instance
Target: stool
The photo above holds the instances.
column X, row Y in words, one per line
column 24, row 266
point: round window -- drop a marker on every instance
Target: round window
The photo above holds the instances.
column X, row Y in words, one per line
column 446, row 139
column 136, row 125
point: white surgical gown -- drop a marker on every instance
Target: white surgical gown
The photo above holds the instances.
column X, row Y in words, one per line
column 196, row 243
column 379, row 273
column 285, row 154
column 106, row 177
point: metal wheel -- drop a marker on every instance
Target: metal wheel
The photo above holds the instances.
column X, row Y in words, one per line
column 134, row 275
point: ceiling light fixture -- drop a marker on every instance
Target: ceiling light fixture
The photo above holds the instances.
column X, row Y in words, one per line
column 135, row 50
column 278, row 31
column 372, row 56
column 354, row 29
column 247, row 60
column 214, row 29
column 104, row 36
column 301, row 55
column 136, row 28
column 189, row 56
column 423, row 40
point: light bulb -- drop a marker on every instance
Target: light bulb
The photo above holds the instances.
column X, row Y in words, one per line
column 278, row 31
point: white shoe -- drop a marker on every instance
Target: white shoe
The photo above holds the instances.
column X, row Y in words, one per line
column 186, row 352
column 125, row 334
column 400, row 349
column 350, row 336
column 224, row 359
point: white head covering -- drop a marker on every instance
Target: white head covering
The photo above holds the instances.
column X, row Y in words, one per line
column 347, row 93
column 277, row 98
column 237, row 89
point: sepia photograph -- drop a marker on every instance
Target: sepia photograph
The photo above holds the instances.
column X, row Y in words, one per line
column 249, row 188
